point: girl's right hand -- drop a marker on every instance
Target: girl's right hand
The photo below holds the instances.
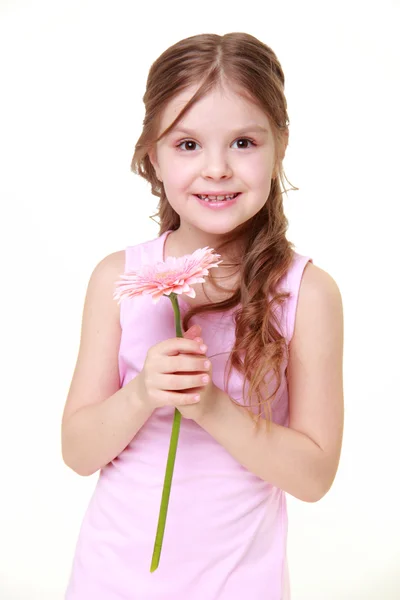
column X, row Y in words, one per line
column 159, row 383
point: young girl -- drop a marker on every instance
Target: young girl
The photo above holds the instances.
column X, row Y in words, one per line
column 215, row 126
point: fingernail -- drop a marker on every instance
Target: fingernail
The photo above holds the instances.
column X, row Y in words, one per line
column 203, row 347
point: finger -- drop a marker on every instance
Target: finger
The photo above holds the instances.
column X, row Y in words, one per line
column 184, row 363
column 171, row 382
column 179, row 398
column 174, row 346
column 192, row 332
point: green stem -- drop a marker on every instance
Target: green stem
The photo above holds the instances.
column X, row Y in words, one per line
column 171, row 458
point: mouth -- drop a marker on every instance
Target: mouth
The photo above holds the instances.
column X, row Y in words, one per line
column 216, row 199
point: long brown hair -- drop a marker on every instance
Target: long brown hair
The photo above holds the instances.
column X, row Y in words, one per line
column 253, row 68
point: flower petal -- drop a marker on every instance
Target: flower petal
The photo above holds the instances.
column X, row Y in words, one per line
column 175, row 274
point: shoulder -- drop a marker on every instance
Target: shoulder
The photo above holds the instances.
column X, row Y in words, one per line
column 315, row 278
column 318, row 292
column 108, row 269
column 111, row 262
column 309, row 287
column 104, row 276
column 319, row 310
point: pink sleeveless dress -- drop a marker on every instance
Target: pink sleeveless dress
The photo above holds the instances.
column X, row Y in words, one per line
column 226, row 530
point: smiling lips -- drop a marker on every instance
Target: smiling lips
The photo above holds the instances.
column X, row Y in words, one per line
column 217, row 197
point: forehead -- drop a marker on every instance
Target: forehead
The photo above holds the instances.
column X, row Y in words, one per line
column 220, row 106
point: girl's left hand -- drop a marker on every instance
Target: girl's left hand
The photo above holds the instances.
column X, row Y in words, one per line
column 208, row 392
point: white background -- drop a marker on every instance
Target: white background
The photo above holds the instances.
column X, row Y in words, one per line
column 72, row 77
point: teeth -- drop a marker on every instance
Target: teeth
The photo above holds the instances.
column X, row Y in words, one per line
column 216, row 198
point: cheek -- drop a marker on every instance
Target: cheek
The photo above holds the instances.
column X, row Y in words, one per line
column 256, row 172
column 179, row 174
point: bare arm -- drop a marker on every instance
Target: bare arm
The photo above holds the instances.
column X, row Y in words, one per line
column 100, row 419
column 282, row 456
column 301, row 459
column 95, row 434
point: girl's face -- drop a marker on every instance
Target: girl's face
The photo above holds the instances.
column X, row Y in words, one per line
column 224, row 144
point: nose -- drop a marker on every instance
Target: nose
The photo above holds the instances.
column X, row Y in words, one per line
column 216, row 166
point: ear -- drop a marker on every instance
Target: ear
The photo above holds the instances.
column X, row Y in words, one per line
column 153, row 159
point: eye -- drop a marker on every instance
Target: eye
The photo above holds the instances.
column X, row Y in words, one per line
column 238, row 140
column 245, row 140
column 185, row 142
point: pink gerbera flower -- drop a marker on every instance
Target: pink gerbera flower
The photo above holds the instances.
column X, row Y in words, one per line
column 169, row 278
column 174, row 275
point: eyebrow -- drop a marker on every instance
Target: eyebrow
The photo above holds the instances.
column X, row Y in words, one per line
column 241, row 131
